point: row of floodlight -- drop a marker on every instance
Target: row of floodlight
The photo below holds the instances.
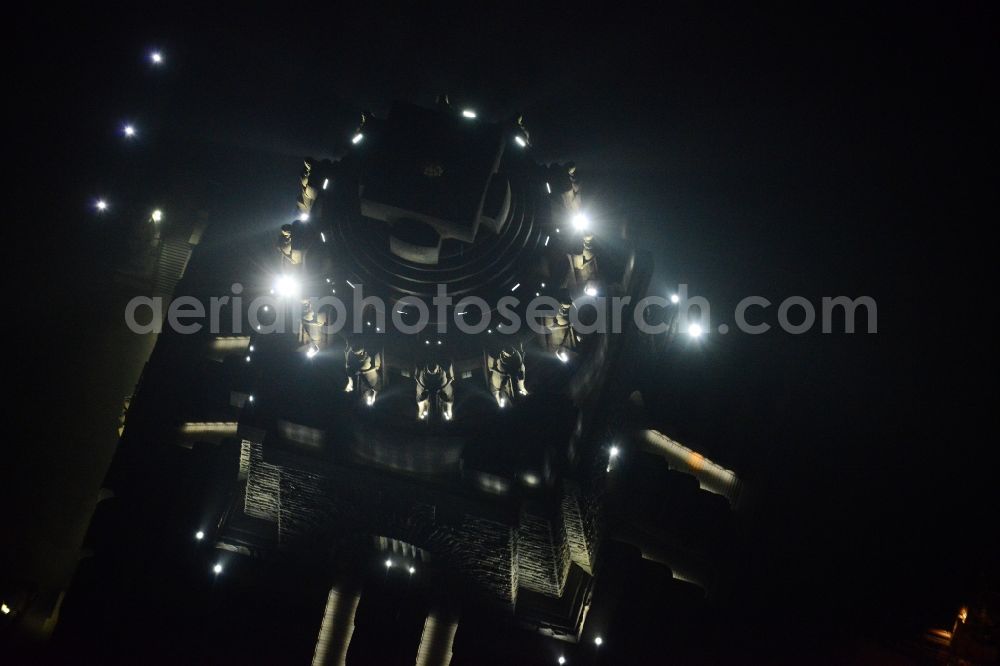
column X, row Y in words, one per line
column 470, row 114
column 389, row 563
column 129, row 131
column 102, row 206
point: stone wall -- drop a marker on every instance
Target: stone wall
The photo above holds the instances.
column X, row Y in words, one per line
column 262, row 499
column 543, row 552
column 333, row 503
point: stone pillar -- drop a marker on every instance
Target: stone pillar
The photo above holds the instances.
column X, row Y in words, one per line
column 437, row 639
column 337, row 627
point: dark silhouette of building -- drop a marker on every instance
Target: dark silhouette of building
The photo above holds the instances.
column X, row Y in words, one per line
column 378, row 494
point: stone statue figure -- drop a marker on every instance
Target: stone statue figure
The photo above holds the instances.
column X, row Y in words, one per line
column 363, row 372
column 506, row 375
column 435, row 384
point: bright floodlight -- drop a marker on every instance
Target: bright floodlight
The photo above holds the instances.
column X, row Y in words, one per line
column 287, row 286
column 590, row 290
column 614, row 451
column 357, row 138
column 101, row 205
column 388, row 564
column 5, row 609
column 412, row 570
column 695, row 330
column 312, row 351
column 157, row 215
column 675, row 299
column 303, row 217
column 128, row 131
column 468, row 113
column 199, row 535
column 561, row 660
column 370, row 399
column 580, row 222
column 217, row 569
column 598, row 640
column 156, row 58
column 520, row 140
column 562, row 355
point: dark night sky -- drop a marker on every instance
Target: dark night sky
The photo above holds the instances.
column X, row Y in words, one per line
column 759, row 152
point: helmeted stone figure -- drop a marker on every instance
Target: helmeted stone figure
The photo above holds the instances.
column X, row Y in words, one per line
column 523, row 128
column 307, row 195
column 571, row 195
column 506, row 375
column 584, row 265
column 363, row 372
column 561, row 338
column 313, row 329
column 435, row 381
column 289, row 257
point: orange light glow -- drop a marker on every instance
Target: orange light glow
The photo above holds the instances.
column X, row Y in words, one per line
column 696, row 461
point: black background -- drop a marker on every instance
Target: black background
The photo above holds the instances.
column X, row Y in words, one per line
column 778, row 151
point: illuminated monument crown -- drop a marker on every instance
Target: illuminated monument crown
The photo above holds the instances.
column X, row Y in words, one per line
column 486, row 424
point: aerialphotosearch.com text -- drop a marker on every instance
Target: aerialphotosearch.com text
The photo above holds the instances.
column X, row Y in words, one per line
column 588, row 314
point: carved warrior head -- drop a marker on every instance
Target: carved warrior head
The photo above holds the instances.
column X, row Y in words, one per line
column 509, row 356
